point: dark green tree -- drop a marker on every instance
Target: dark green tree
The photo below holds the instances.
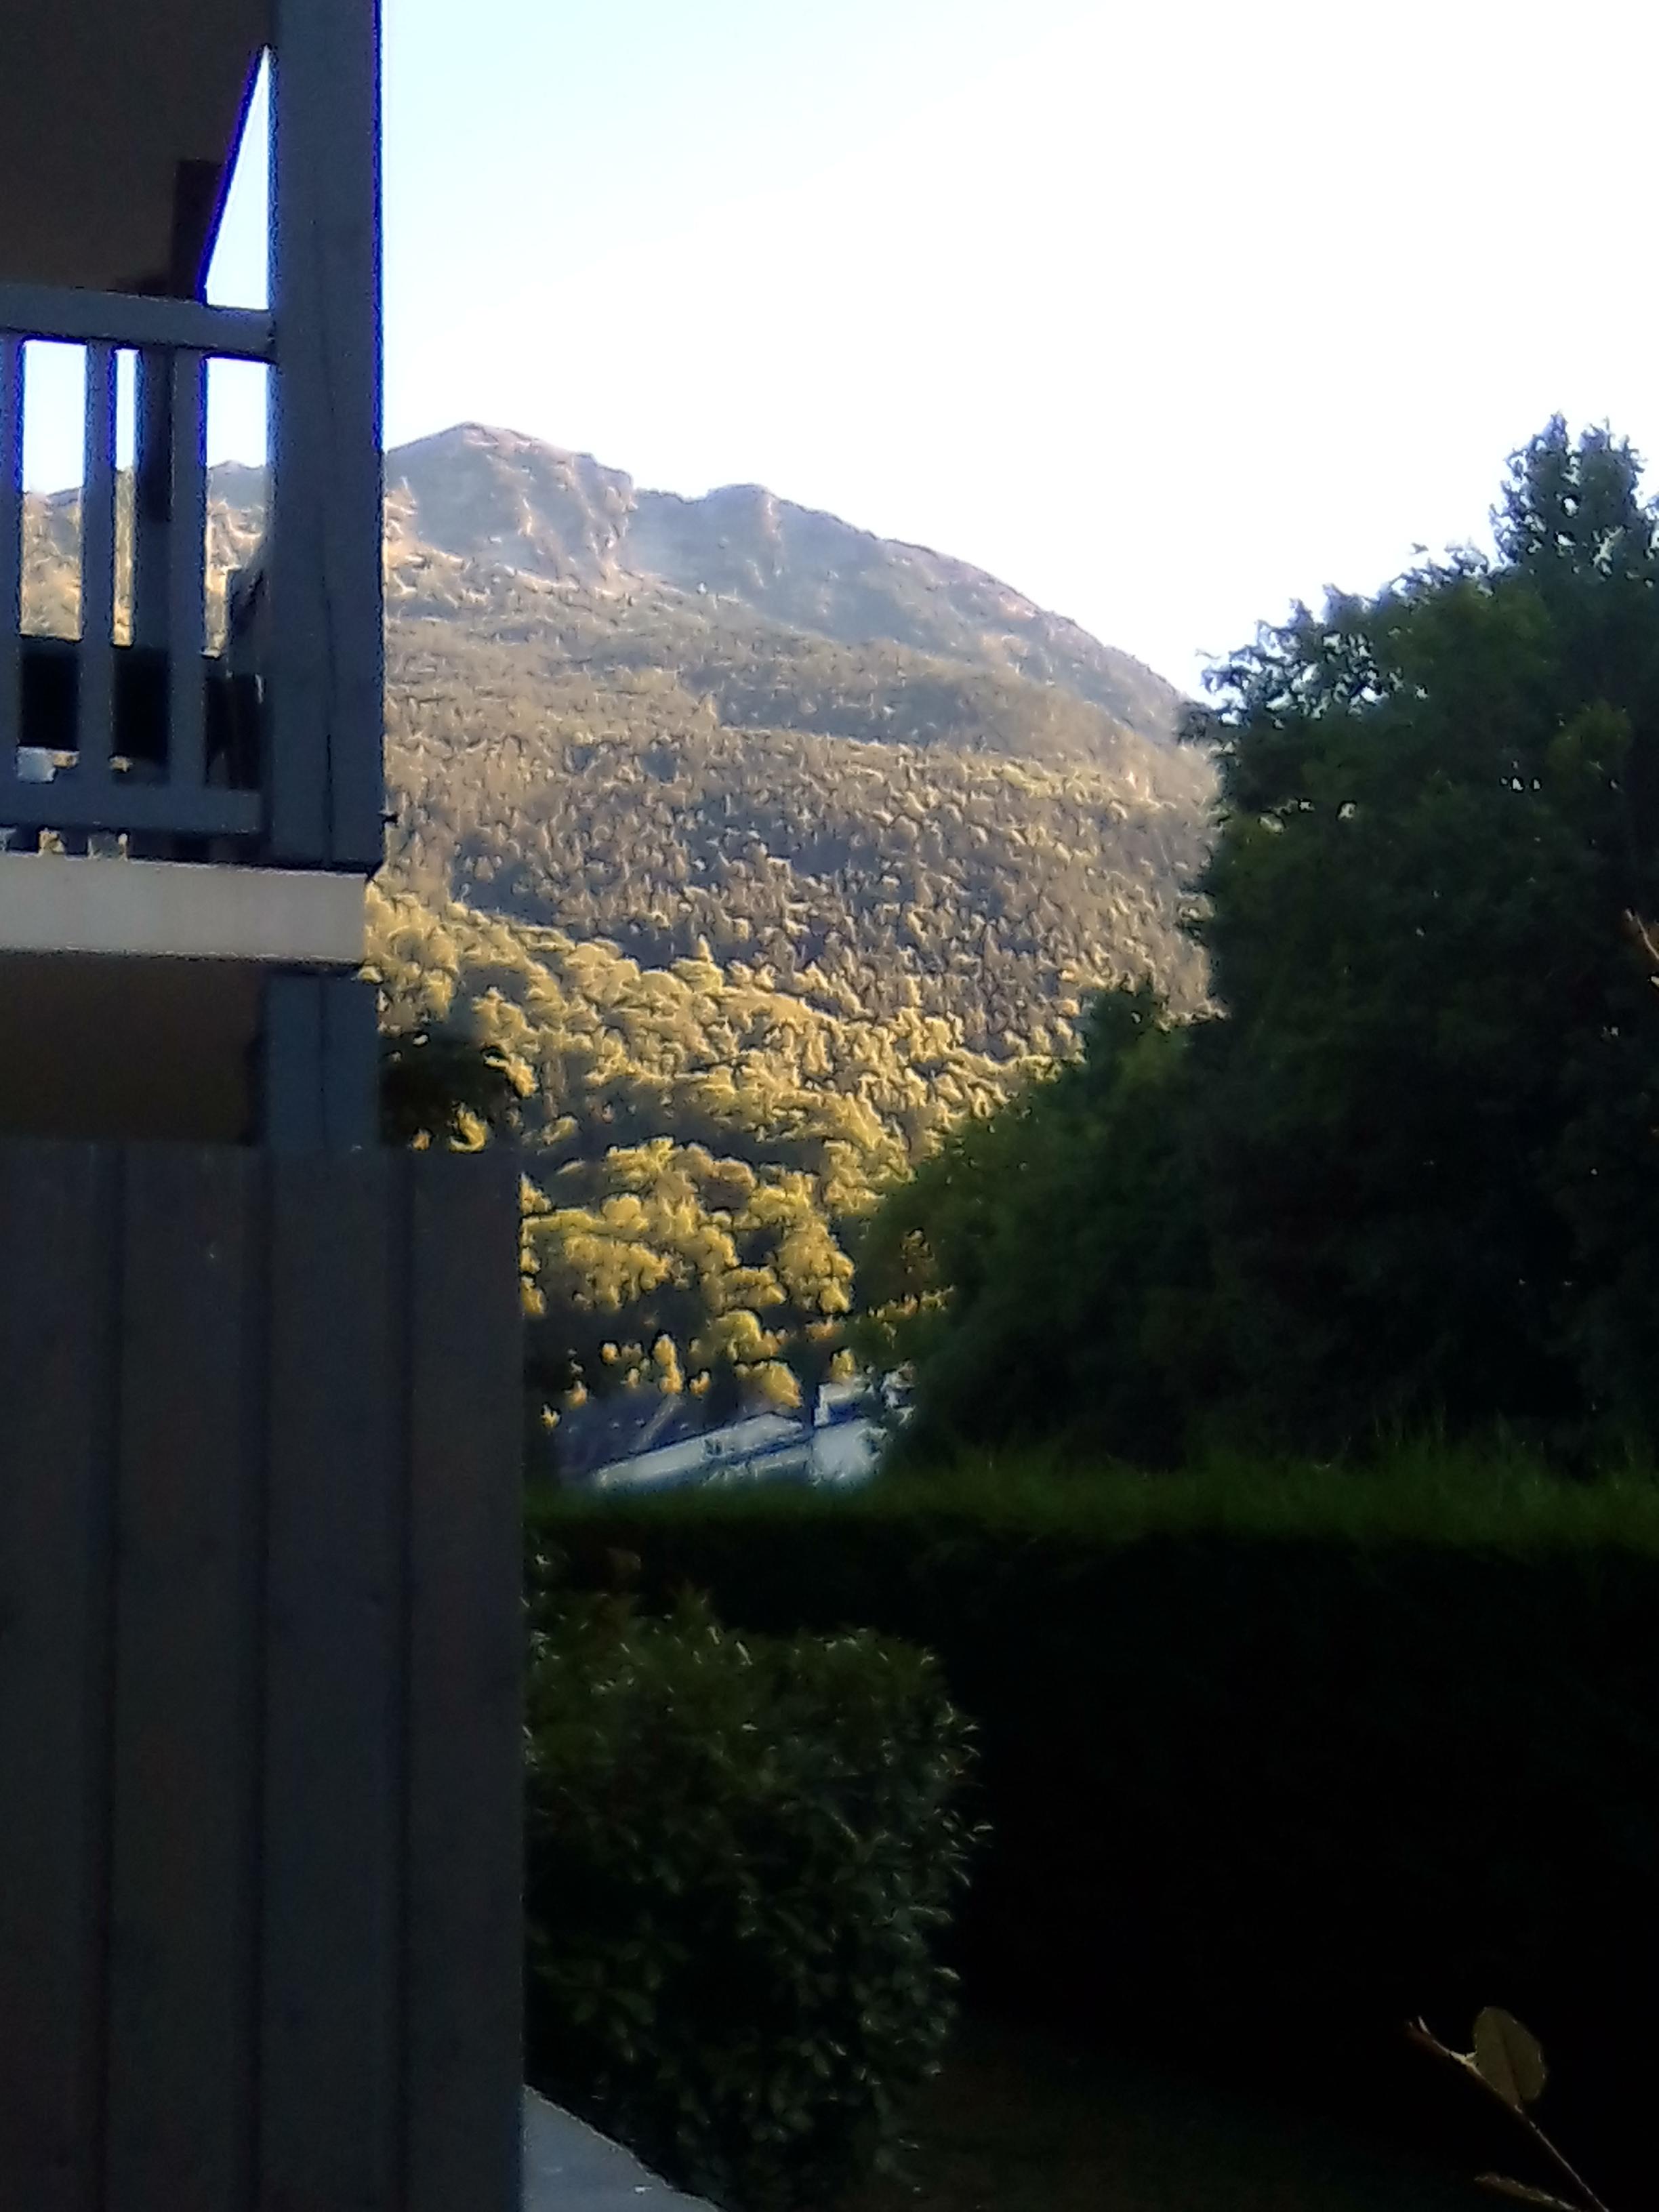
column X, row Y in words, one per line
column 1410, row 1174
column 1430, row 1160
column 440, row 1086
column 1048, row 1270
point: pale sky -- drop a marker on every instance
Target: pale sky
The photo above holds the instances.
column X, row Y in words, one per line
column 1166, row 313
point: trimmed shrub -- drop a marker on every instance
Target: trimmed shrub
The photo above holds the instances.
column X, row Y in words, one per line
column 1266, row 1779
column 742, row 1853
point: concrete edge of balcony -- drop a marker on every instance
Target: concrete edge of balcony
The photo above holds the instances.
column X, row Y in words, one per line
column 180, row 910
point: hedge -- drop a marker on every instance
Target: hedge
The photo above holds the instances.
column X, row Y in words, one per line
column 1264, row 1783
column 742, row 1854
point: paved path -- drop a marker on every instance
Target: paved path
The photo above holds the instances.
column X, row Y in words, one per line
column 570, row 2167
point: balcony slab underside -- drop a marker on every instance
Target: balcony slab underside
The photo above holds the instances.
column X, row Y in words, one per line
column 131, row 991
column 157, row 87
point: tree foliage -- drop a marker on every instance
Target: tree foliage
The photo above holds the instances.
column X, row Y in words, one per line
column 439, row 1086
column 1407, row 1174
column 743, row 1856
column 754, row 917
column 1039, row 1235
column 911, row 835
column 698, row 1143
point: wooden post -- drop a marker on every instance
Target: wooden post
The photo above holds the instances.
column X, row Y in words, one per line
column 59, row 1208
column 11, row 546
column 186, row 611
column 152, row 544
column 317, row 1078
column 95, row 695
column 326, row 670
column 464, row 1930
column 330, row 2106
column 184, row 1852
column 152, row 496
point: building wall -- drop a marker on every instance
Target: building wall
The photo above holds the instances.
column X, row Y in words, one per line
column 260, row 1567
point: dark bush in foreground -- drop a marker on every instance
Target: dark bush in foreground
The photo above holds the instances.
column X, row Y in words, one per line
column 1268, row 1773
column 742, row 1854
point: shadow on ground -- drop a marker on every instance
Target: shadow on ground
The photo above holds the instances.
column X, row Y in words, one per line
column 1022, row 2123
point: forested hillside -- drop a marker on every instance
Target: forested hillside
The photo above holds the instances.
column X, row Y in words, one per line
column 621, row 788
column 763, row 848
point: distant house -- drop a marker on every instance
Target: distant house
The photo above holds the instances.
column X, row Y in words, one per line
column 841, row 1445
column 618, row 1426
column 764, row 1446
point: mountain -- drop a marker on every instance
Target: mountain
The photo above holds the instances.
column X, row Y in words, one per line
column 761, row 847
column 490, row 495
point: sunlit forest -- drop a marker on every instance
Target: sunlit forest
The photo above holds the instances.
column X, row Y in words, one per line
column 752, row 913
column 757, row 916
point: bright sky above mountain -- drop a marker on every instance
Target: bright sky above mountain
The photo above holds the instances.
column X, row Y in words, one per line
column 1165, row 314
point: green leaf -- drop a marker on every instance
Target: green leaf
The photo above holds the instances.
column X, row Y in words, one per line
column 1508, row 2059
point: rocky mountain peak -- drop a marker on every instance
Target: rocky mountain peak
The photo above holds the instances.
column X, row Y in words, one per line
column 500, row 498
column 496, row 496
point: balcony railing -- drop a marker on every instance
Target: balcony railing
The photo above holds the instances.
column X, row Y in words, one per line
column 154, row 737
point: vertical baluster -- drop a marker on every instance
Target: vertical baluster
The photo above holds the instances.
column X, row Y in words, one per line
column 152, row 496
column 96, row 718
column 11, row 549
column 187, row 612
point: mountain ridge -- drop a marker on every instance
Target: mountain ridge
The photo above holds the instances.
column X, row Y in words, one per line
column 546, row 510
column 494, row 498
